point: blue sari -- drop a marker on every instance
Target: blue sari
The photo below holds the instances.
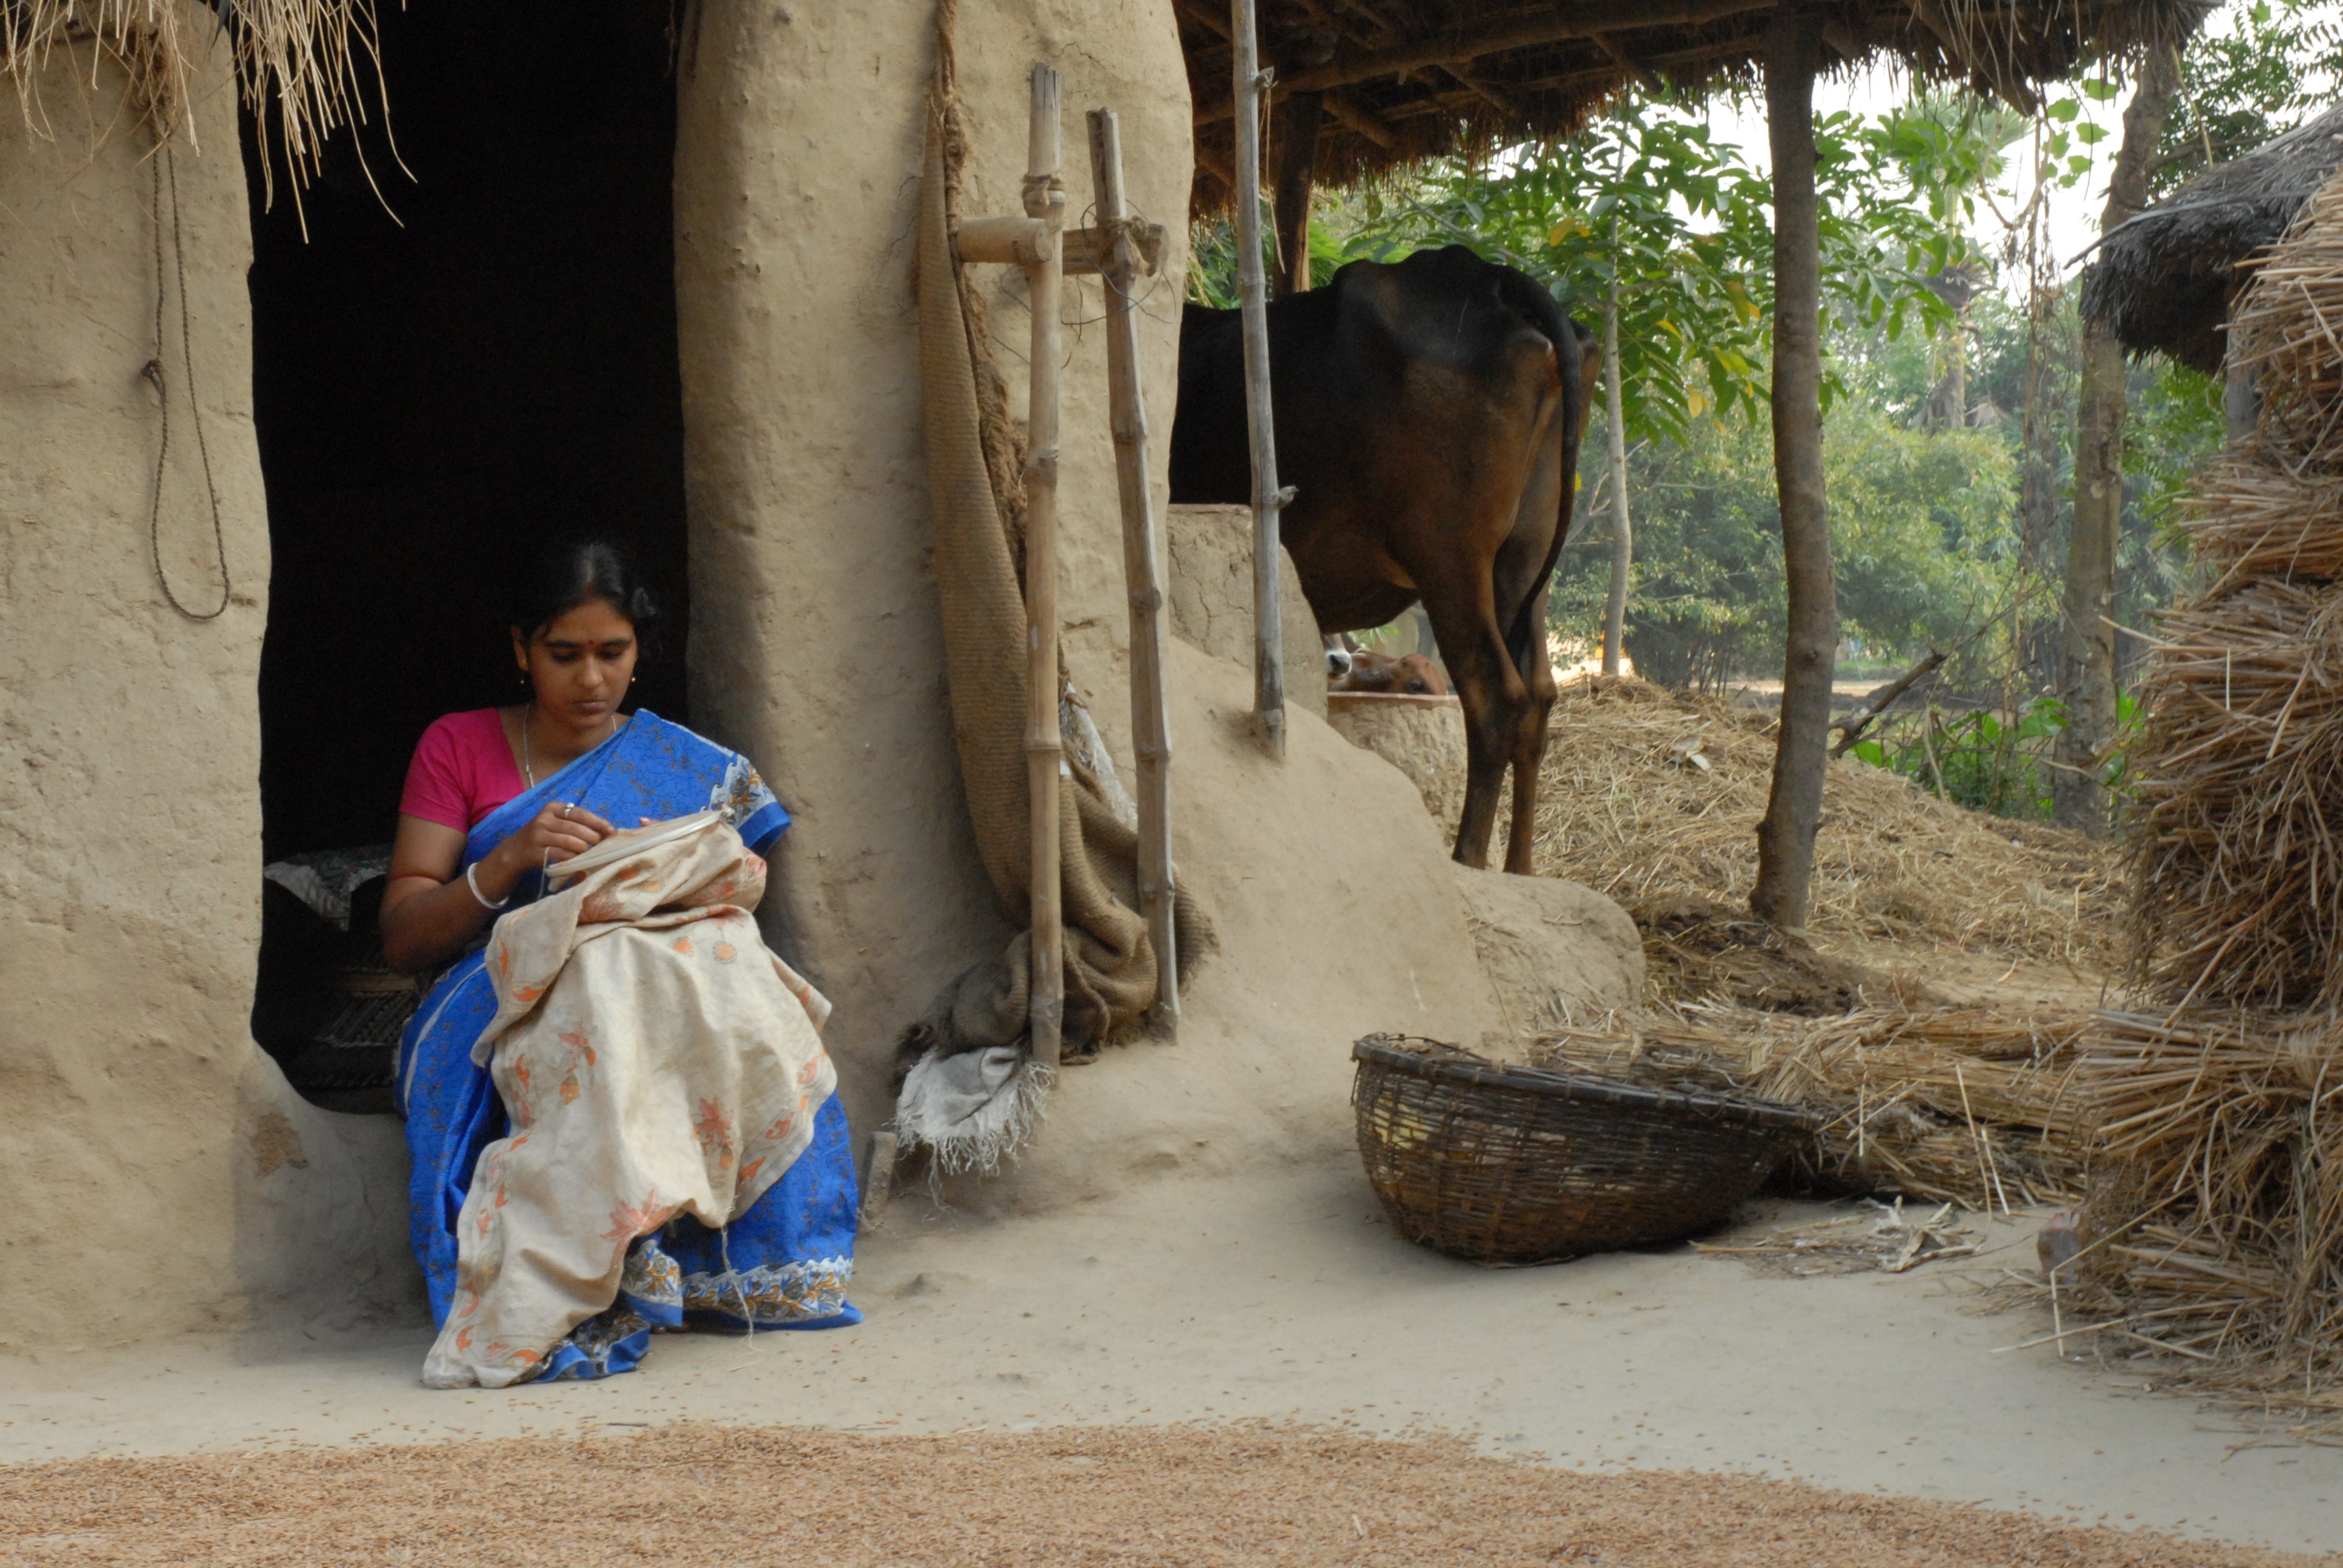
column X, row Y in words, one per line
column 785, row 1264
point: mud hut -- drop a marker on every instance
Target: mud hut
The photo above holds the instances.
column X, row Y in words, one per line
column 267, row 442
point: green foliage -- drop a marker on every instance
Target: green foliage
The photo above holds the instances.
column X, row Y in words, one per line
column 1920, row 528
column 2175, row 422
column 2274, row 66
column 1985, row 760
column 1683, row 223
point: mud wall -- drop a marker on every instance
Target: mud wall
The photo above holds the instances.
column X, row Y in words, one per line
column 815, row 639
column 160, row 1175
column 815, row 642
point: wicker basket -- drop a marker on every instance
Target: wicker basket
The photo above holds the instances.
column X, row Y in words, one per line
column 1512, row 1165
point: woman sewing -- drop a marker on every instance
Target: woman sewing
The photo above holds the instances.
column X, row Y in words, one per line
column 619, row 1112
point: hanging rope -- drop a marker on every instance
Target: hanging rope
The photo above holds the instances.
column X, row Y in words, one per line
column 161, row 161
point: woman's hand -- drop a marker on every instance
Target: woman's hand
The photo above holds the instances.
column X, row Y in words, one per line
column 430, row 910
column 556, row 833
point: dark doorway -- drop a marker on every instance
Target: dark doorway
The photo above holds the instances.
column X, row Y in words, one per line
column 447, row 374
column 439, row 391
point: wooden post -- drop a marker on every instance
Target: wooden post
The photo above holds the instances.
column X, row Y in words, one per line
column 1786, row 837
column 1267, row 634
column 1622, row 536
column 1045, row 201
column 1149, row 710
column 1298, row 119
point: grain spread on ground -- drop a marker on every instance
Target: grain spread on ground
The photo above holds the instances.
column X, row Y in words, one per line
column 1072, row 1495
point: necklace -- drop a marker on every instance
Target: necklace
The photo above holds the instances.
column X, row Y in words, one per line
column 528, row 767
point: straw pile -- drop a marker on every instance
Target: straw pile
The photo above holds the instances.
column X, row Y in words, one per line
column 2213, row 1237
column 2236, row 839
column 2249, row 519
column 2238, row 798
column 2284, row 327
column 1954, row 1105
column 1652, row 796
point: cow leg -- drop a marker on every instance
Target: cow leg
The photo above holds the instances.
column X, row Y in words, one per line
column 1495, row 701
column 1528, row 753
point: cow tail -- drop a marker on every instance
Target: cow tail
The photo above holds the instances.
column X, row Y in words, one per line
column 1544, row 312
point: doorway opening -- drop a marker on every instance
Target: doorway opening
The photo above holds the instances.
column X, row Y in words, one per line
column 464, row 346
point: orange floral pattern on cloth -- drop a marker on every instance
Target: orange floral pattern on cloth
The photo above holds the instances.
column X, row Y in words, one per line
column 606, row 1029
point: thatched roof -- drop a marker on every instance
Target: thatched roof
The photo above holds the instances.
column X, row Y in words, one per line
column 2164, row 279
column 299, row 62
column 1408, row 79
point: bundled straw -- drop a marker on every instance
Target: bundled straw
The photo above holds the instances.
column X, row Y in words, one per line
column 2236, row 843
column 1954, row 1105
column 2214, row 1232
column 1651, row 796
column 2287, row 326
column 2247, row 517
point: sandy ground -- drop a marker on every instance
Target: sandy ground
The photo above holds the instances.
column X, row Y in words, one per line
column 1286, row 1299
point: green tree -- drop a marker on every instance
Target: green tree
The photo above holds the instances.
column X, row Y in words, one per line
column 1920, row 528
column 2274, row 66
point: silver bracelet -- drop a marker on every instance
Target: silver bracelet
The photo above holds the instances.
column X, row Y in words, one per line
column 468, row 882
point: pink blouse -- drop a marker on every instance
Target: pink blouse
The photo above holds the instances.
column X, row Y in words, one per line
column 463, row 770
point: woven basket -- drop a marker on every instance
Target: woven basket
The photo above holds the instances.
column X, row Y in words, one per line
column 1512, row 1165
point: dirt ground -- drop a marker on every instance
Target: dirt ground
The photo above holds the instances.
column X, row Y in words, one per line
column 701, row 1493
column 1173, row 1314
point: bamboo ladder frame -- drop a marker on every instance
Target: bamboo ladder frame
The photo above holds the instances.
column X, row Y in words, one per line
column 1120, row 262
column 1120, row 251
column 1045, row 749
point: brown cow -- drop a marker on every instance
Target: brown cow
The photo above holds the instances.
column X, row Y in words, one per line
column 1411, row 675
column 1429, row 415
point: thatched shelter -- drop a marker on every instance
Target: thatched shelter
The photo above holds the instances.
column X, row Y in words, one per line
column 1394, row 81
column 2163, row 281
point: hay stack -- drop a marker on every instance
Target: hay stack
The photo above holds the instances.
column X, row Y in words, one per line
column 2238, row 859
column 2237, row 823
column 2214, row 1232
column 1647, row 795
column 2213, row 1235
column 2285, row 329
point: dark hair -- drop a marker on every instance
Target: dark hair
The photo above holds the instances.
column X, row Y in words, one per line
column 573, row 572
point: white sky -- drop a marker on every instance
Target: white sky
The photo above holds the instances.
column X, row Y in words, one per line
column 2073, row 213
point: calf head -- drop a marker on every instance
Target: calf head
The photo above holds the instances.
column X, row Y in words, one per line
column 1411, row 675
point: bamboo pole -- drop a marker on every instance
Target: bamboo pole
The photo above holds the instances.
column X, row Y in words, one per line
column 1268, row 636
column 1045, row 199
column 1150, row 723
